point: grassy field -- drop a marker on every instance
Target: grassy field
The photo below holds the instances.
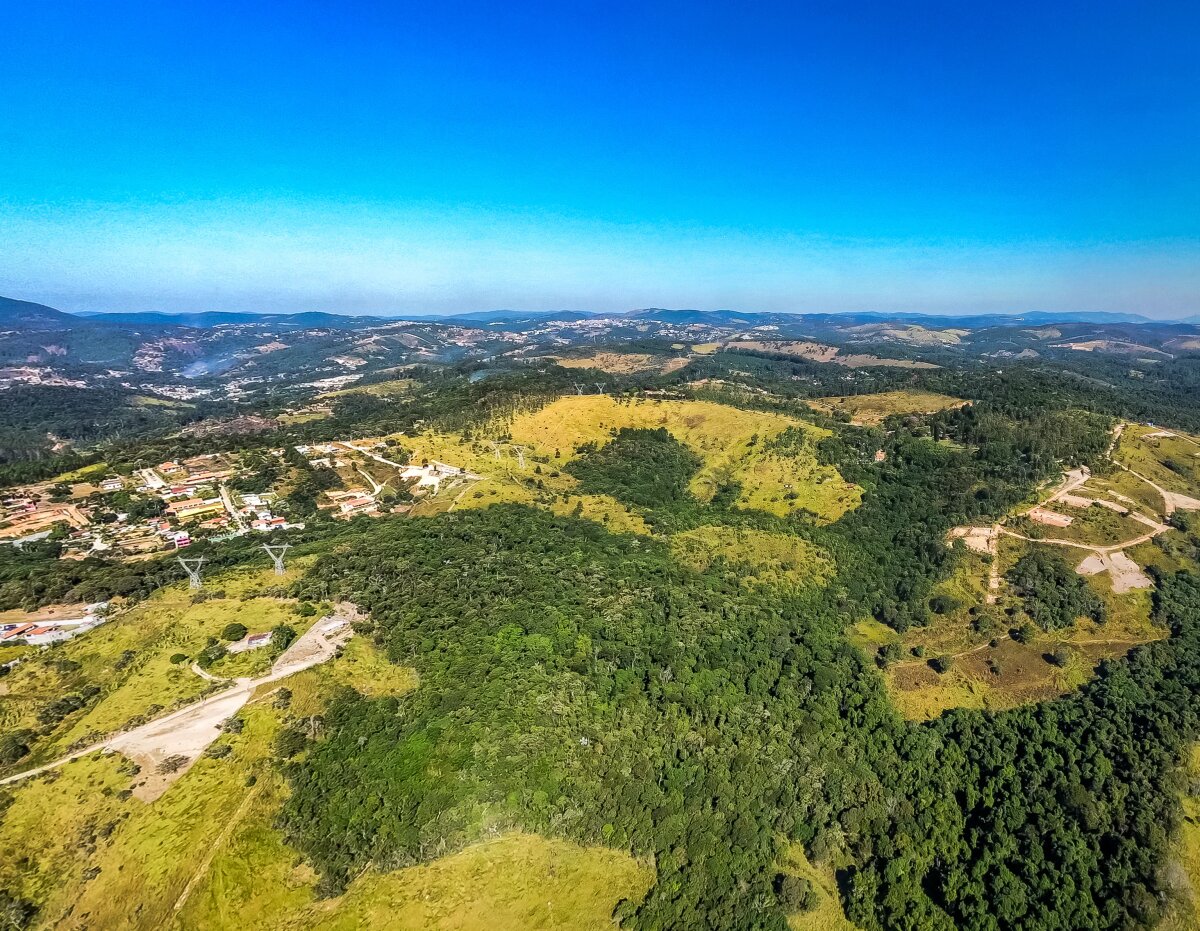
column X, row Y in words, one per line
column 82, row 474
column 1183, row 870
column 129, row 657
column 206, row 855
column 381, row 389
column 826, row 913
column 603, row 509
column 987, row 668
column 733, row 444
column 1123, row 487
column 1150, row 455
column 758, row 557
column 1095, row 526
column 871, row 409
column 625, row 363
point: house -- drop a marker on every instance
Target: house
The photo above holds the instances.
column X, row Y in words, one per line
column 252, row 642
column 112, row 484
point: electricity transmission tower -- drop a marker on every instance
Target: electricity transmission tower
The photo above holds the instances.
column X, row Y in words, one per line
column 192, row 568
column 276, row 554
column 578, row 388
column 600, row 387
column 520, row 451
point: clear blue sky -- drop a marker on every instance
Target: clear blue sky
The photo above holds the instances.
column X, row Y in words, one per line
column 948, row 156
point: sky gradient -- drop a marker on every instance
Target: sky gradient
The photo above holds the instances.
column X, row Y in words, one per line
column 374, row 157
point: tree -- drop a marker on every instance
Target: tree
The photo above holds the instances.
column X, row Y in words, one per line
column 234, row 631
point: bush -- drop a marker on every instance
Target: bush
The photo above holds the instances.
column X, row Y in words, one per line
column 178, row 658
column 234, row 631
column 941, row 664
column 210, row 654
column 944, row 604
column 282, row 637
column 889, row 653
column 14, row 746
column 794, row 893
column 290, row 742
column 173, row 764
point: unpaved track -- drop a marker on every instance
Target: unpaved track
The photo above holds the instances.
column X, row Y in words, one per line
column 187, row 731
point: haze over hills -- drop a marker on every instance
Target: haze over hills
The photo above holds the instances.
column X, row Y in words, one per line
column 665, row 315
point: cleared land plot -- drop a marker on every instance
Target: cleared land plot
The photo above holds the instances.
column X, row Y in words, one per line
column 987, row 668
column 872, row 409
column 100, row 857
column 1092, row 526
column 129, row 659
column 1171, row 462
column 380, row 389
column 819, row 352
column 625, row 363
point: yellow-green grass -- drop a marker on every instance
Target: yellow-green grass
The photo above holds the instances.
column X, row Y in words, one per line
column 83, row 473
column 733, row 445
column 300, row 417
column 758, row 556
column 603, row 509
column 381, row 389
column 1123, row 487
column 46, row 832
column 1095, row 526
column 1146, row 455
column 826, row 913
column 624, row 363
column 1024, row 673
column 1183, row 870
column 869, row 635
column 151, row 857
column 871, row 409
column 516, row 881
column 146, row 400
column 169, row 623
column 705, row 349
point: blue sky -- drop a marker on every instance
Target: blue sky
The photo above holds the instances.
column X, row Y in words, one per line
column 356, row 157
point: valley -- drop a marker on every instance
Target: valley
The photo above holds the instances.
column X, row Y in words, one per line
column 600, row 620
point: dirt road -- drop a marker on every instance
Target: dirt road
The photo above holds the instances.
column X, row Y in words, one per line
column 187, row 731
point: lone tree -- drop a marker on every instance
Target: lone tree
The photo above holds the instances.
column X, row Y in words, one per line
column 234, row 631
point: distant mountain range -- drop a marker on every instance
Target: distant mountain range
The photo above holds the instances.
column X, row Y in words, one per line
column 932, row 321
column 32, row 316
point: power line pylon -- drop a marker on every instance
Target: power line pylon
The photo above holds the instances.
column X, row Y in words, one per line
column 276, row 554
column 192, row 568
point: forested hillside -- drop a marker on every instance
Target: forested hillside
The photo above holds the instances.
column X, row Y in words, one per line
column 666, row 623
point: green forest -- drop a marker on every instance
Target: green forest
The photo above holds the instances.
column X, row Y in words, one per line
column 588, row 685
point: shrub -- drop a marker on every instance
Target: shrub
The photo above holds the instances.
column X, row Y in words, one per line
column 234, row 631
